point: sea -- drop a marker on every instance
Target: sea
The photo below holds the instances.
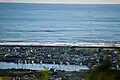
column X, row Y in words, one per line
column 60, row 22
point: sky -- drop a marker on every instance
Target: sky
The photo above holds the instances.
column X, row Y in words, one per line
column 64, row 1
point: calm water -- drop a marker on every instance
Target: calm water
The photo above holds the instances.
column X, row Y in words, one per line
column 59, row 23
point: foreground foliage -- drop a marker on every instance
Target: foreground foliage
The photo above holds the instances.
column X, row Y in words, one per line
column 3, row 78
column 107, row 70
column 102, row 72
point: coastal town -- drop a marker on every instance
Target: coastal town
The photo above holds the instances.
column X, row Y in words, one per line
column 89, row 57
column 55, row 55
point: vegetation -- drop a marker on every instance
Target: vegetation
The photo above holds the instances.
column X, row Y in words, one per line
column 102, row 72
column 3, row 78
column 44, row 75
column 105, row 71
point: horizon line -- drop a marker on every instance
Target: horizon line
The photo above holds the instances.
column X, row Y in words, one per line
column 61, row 2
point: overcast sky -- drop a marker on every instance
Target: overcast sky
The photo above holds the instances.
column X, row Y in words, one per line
column 63, row 1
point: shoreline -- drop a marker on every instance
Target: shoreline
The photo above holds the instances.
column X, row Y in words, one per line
column 59, row 44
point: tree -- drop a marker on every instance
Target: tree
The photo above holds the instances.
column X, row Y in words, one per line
column 102, row 72
column 44, row 75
